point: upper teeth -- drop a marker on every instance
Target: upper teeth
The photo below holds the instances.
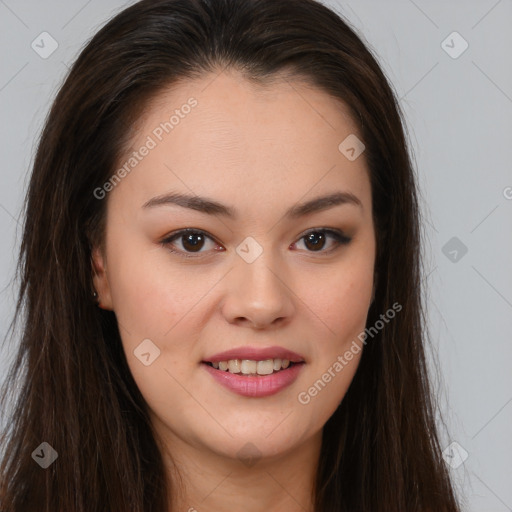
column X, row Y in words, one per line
column 249, row 366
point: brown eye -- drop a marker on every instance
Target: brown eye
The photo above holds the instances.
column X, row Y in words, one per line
column 315, row 240
column 192, row 241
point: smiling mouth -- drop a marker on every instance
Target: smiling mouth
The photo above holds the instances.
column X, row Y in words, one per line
column 252, row 368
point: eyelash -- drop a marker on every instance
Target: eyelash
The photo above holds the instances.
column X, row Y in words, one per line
column 338, row 236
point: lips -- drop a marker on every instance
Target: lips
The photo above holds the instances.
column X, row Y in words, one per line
column 255, row 354
column 258, row 386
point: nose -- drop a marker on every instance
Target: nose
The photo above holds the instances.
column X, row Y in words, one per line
column 258, row 294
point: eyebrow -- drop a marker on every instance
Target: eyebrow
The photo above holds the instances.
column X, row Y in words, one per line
column 211, row 207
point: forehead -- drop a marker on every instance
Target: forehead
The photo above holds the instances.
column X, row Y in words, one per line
column 222, row 134
column 227, row 96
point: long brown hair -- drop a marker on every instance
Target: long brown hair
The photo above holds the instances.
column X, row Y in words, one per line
column 380, row 450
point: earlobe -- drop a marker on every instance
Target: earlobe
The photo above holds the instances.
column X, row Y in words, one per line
column 100, row 279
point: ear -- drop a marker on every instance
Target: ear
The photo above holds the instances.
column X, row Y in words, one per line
column 100, row 279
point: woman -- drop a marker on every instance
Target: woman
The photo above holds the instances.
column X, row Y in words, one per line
column 220, row 276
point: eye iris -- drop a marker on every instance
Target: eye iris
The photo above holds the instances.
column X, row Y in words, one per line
column 188, row 239
column 315, row 237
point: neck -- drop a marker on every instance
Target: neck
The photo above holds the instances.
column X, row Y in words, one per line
column 206, row 481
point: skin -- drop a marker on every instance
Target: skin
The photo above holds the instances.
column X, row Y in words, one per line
column 259, row 150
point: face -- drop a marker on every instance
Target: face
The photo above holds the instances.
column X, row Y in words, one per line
column 255, row 270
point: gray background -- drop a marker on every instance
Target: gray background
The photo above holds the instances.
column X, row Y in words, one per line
column 459, row 116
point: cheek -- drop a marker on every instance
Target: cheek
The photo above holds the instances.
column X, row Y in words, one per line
column 339, row 298
column 151, row 294
column 342, row 305
column 154, row 307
